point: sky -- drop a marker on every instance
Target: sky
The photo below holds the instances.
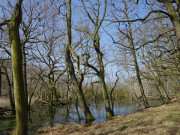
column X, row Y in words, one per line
column 106, row 42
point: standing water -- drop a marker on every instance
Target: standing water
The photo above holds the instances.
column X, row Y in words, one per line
column 41, row 116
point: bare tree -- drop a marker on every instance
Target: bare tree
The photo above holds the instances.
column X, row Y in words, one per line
column 4, row 66
column 173, row 12
column 50, row 64
column 94, row 36
column 77, row 82
column 130, row 44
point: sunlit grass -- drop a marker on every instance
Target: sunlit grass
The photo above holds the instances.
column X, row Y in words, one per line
column 164, row 120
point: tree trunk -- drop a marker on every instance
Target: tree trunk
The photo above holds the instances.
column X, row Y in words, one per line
column 174, row 17
column 160, row 94
column 139, row 79
column 163, row 88
column 52, row 96
column 109, row 112
column 19, row 92
column 111, row 100
column 77, row 110
column 133, row 51
column 68, row 88
column 11, row 99
column 25, row 72
column 0, row 81
column 95, row 37
column 55, row 93
column 77, row 84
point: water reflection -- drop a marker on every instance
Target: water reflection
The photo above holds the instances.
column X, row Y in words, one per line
column 41, row 116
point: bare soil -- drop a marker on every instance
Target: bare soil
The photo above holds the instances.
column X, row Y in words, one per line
column 162, row 120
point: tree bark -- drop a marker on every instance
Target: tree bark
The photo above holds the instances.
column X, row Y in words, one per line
column 174, row 16
column 138, row 74
column 133, row 51
column 160, row 94
column 109, row 112
column 95, row 37
column 25, row 73
column 139, row 78
column 78, row 84
column 19, row 92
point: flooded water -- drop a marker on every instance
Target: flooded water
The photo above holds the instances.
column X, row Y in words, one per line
column 41, row 116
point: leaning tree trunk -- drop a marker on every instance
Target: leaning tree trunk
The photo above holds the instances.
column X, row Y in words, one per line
column 19, row 92
column 109, row 112
column 77, row 84
column 95, row 37
column 138, row 75
column 139, row 79
column 175, row 17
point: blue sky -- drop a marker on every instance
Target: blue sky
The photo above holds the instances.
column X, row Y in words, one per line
column 106, row 41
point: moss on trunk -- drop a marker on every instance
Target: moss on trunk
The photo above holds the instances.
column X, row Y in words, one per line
column 77, row 83
column 19, row 92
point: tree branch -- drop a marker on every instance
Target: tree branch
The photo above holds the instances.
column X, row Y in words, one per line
column 152, row 41
column 141, row 19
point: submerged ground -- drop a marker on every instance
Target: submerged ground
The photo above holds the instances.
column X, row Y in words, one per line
column 162, row 120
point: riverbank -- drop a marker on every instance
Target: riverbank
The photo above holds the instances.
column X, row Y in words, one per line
column 162, row 120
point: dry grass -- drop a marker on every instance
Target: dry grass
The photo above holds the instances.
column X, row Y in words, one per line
column 163, row 120
column 4, row 102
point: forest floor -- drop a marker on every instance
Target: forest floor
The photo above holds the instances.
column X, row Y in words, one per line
column 162, row 120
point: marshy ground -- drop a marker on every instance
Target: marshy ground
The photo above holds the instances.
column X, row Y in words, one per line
column 162, row 120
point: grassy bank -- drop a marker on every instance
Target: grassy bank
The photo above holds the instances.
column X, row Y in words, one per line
column 162, row 120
